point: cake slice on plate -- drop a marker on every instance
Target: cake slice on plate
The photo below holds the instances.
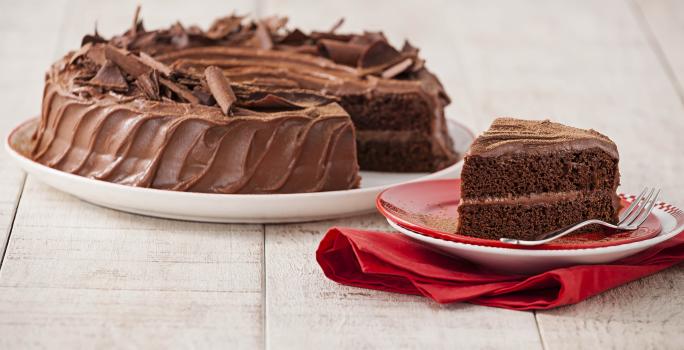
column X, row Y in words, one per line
column 523, row 178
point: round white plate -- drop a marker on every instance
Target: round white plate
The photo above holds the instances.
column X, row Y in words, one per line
column 526, row 261
column 234, row 208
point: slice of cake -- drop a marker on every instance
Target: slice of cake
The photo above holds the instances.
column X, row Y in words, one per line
column 523, row 178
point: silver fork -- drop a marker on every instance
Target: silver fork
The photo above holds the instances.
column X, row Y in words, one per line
column 629, row 220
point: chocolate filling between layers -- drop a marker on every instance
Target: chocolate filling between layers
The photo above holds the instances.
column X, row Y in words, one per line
column 528, row 217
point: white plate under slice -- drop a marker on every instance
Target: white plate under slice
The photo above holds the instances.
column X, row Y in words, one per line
column 527, row 261
column 229, row 208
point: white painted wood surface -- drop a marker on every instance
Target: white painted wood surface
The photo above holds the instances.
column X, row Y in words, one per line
column 75, row 275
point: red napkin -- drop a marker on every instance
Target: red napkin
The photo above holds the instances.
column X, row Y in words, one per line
column 393, row 262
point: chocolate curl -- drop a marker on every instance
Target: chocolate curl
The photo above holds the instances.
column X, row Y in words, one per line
column 180, row 90
column 154, row 64
column 136, row 21
column 109, row 77
column 128, row 63
column 219, row 86
column 341, row 52
column 149, row 84
column 97, row 54
column 397, row 69
column 263, row 36
column 295, row 37
column 224, row 26
column 378, row 53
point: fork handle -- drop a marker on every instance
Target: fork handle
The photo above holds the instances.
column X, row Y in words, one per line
column 553, row 235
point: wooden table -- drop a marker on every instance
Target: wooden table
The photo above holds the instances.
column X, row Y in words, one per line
column 74, row 275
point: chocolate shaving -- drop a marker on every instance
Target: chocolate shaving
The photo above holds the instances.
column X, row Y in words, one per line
column 420, row 64
column 128, row 63
column 263, row 37
column 80, row 53
column 180, row 38
column 333, row 36
column 378, row 53
column 95, row 38
column 397, row 69
column 179, row 90
column 109, row 77
column 224, row 26
column 97, row 55
column 368, row 38
column 220, row 88
column 341, row 52
column 295, row 37
column 203, row 95
column 148, row 83
column 274, row 23
column 337, row 25
column 154, row 64
column 136, row 21
column 270, row 101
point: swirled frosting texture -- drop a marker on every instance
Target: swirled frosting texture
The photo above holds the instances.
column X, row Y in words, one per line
column 509, row 135
column 243, row 107
column 187, row 148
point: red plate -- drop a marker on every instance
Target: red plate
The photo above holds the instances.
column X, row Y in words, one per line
column 429, row 208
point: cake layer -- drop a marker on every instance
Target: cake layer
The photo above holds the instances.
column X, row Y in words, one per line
column 520, row 174
column 397, row 151
column 527, row 217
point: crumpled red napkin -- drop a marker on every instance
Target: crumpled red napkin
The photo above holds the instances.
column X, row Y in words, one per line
column 393, row 262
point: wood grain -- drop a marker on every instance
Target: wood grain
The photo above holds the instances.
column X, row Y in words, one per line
column 304, row 309
column 663, row 22
column 584, row 63
column 28, row 49
column 76, row 275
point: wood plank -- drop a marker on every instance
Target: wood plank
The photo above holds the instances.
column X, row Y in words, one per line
column 306, row 310
column 664, row 25
column 77, row 275
column 301, row 303
column 582, row 63
column 587, row 64
column 29, row 49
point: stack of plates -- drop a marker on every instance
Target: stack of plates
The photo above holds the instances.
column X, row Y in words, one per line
column 426, row 211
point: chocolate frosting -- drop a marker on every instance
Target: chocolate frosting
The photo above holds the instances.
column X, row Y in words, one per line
column 150, row 109
column 509, row 135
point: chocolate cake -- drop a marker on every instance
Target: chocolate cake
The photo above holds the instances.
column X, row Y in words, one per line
column 243, row 107
column 117, row 116
column 523, row 178
column 396, row 104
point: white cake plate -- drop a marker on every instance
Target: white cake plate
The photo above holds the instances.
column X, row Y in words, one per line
column 229, row 208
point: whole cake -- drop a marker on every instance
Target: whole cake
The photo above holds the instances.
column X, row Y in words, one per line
column 523, row 178
column 243, row 107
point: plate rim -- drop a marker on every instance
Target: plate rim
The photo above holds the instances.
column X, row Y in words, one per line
column 393, row 219
column 21, row 158
column 646, row 243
